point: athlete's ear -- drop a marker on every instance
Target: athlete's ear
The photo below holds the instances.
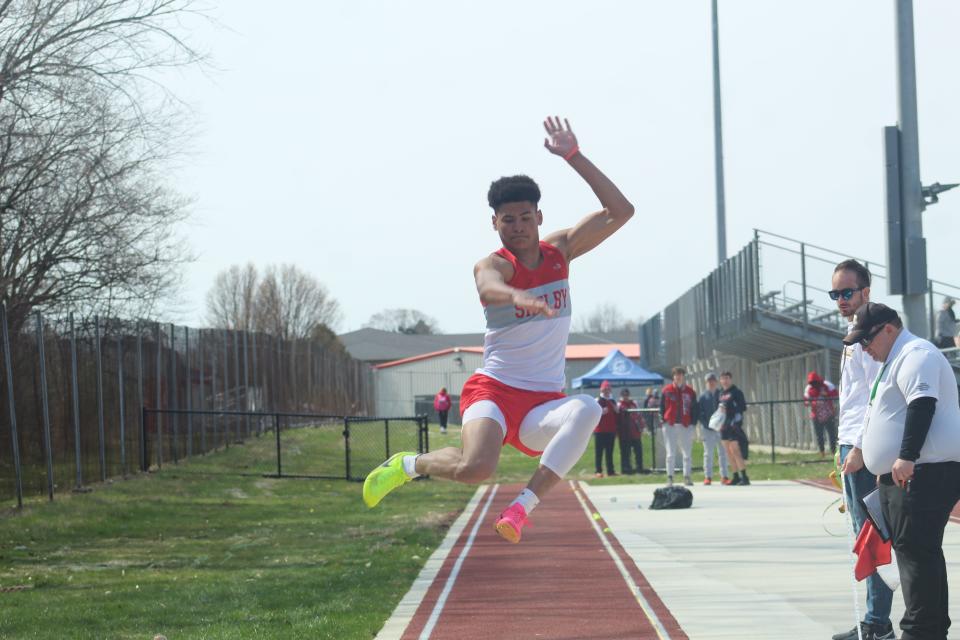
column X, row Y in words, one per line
column 539, row 217
column 865, row 293
column 493, row 220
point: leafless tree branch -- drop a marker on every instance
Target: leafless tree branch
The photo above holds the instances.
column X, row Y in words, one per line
column 86, row 220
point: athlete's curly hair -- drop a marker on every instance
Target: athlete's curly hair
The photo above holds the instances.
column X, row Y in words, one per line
column 512, row 189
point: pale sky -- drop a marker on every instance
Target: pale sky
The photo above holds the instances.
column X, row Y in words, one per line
column 357, row 139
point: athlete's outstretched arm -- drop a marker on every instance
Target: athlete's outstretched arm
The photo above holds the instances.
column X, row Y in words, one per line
column 494, row 290
column 596, row 227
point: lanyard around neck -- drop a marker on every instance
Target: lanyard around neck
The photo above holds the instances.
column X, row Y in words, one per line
column 876, row 383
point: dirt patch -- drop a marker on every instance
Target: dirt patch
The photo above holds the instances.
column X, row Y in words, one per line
column 438, row 519
column 266, row 486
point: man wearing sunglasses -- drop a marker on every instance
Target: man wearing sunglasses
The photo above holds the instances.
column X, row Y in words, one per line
column 850, row 288
column 911, row 440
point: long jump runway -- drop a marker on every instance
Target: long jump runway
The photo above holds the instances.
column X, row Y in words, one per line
column 747, row 563
column 567, row 579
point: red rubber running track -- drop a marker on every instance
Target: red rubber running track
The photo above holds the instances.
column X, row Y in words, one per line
column 561, row 581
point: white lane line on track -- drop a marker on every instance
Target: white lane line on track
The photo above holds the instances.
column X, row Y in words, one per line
column 407, row 607
column 442, row 600
column 641, row 600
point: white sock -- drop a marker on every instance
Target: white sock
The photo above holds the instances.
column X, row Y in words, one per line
column 410, row 466
column 527, row 499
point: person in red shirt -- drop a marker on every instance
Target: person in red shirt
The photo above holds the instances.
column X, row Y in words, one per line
column 605, row 432
column 629, row 433
column 442, row 402
column 678, row 408
column 822, row 398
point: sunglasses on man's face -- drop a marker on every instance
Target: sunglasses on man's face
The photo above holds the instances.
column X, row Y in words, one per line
column 866, row 340
column 846, row 294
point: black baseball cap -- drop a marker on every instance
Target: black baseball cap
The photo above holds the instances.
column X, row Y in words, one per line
column 867, row 318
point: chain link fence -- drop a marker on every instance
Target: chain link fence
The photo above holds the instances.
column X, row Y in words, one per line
column 370, row 441
column 74, row 392
column 305, row 445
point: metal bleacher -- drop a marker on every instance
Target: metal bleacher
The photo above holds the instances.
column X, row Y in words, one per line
column 769, row 301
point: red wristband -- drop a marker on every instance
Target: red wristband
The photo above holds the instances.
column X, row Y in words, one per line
column 572, row 153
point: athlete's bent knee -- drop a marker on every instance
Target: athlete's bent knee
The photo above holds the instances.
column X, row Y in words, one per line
column 590, row 409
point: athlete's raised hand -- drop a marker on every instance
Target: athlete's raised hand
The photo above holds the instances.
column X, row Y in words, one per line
column 561, row 140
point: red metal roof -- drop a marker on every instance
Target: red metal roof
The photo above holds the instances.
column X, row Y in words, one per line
column 600, row 351
column 432, row 354
column 574, row 352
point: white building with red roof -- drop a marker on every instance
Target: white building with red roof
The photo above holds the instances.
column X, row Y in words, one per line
column 406, row 385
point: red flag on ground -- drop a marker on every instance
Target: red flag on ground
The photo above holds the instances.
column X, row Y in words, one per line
column 871, row 551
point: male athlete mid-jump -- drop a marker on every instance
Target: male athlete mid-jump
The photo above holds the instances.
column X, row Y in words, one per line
column 516, row 398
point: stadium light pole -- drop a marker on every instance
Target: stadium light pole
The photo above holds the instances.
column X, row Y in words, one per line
column 914, row 282
column 718, row 142
column 906, row 196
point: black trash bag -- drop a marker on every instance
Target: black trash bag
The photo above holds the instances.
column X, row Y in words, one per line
column 672, row 498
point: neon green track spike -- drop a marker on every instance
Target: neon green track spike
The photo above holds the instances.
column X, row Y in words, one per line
column 385, row 478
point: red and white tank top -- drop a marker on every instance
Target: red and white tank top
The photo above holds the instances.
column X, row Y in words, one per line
column 529, row 351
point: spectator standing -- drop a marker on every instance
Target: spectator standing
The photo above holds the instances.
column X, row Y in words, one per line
column 678, row 406
column 851, row 289
column 442, row 403
column 732, row 434
column 708, row 403
column 946, row 324
column 652, row 401
column 911, row 441
column 629, row 432
column 821, row 395
column 605, row 433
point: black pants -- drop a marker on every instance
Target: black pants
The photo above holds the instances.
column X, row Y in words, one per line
column 603, row 446
column 630, row 446
column 443, row 418
column 917, row 516
column 830, row 428
column 944, row 342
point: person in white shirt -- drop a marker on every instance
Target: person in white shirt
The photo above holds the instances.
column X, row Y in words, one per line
column 911, row 441
column 850, row 288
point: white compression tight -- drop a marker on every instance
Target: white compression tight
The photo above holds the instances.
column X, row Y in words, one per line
column 561, row 429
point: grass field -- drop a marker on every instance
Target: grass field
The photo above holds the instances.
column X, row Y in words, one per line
column 200, row 551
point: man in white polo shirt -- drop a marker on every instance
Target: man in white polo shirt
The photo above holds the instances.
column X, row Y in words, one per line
column 850, row 289
column 911, row 441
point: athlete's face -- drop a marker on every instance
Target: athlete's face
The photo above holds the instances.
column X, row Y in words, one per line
column 726, row 382
column 845, row 279
column 678, row 379
column 518, row 225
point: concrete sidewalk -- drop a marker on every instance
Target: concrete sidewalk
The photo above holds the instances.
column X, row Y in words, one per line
column 758, row 562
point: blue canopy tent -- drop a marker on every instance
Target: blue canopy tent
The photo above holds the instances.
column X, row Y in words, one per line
column 620, row 371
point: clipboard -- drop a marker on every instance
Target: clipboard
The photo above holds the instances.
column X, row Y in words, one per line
column 871, row 506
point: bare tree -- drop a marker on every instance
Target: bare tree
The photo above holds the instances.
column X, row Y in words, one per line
column 85, row 219
column 231, row 302
column 325, row 337
column 606, row 318
column 291, row 303
column 409, row 321
column 106, row 44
